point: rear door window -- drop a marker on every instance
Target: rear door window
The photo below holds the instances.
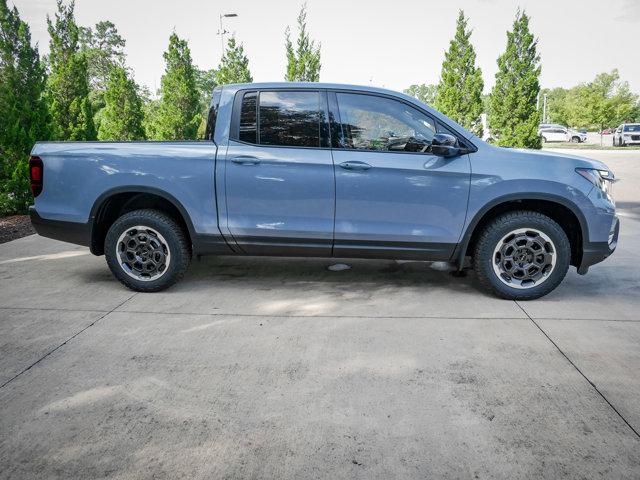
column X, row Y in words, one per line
column 290, row 118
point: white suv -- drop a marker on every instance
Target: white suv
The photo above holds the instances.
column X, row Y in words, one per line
column 627, row 134
column 553, row 132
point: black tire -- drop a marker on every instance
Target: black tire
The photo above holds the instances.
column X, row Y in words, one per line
column 575, row 139
column 174, row 242
column 544, row 139
column 495, row 232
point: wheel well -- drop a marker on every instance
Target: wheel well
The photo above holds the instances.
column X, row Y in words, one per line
column 118, row 204
column 562, row 215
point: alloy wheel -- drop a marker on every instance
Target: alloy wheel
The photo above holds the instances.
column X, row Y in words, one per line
column 143, row 253
column 524, row 258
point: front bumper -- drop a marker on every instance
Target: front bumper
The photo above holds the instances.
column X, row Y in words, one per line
column 595, row 252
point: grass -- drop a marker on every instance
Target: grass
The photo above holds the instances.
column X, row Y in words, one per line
column 587, row 146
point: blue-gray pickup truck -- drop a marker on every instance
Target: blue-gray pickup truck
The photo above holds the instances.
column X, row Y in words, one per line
column 324, row 170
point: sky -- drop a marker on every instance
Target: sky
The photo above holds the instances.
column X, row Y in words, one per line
column 390, row 44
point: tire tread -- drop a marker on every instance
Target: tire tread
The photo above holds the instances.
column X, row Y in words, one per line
column 515, row 217
column 184, row 250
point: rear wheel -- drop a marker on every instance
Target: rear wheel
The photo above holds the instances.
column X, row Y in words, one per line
column 544, row 139
column 522, row 255
column 147, row 251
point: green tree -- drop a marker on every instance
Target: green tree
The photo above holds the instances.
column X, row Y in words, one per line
column 424, row 93
column 303, row 62
column 104, row 49
column 604, row 102
column 68, row 83
column 178, row 114
column 150, row 109
column 122, row 116
column 513, row 113
column 557, row 107
column 234, row 66
column 205, row 83
column 459, row 93
column 23, row 113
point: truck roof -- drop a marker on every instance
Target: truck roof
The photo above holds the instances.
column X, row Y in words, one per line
column 310, row 85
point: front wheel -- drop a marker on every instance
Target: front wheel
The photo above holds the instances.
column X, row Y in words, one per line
column 522, row 255
column 147, row 251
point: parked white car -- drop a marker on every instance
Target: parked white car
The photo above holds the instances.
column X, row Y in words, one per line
column 553, row 132
column 627, row 134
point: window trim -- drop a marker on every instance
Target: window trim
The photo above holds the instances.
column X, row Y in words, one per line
column 329, row 129
column 234, row 131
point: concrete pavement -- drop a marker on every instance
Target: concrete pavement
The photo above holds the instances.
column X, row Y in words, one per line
column 278, row 368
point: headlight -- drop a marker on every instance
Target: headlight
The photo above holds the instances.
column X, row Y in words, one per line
column 603, row 179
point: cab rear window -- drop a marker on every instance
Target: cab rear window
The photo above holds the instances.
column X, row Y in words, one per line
column 213, row 115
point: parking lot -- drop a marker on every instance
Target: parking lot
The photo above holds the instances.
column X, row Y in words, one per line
column 280, row 368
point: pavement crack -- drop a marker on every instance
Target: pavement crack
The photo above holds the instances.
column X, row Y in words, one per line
column 578, row 370
column 65, row 342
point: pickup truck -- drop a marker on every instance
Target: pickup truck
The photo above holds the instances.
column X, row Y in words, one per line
column 326, row 170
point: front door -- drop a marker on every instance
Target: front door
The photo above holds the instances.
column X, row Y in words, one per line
column 279, row 180
column 393, row 198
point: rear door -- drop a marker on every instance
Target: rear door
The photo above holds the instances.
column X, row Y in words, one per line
column 393, row 197
column 279, row 180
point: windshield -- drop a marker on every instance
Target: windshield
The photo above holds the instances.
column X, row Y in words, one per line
column 632, row 128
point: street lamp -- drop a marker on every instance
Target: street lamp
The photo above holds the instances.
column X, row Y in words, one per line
column 222, row 31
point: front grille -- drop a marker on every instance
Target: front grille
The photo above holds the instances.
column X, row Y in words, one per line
column 635, row 137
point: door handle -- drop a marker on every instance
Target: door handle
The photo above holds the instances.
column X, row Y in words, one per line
column 246, row 160
column 354, row 165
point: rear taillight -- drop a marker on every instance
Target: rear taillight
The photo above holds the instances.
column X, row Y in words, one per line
column 35, row 174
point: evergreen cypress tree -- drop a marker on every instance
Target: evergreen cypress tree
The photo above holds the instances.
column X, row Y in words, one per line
column 459, row 93
column 23, row 114
column 178, row 114
column 68, row 83
column 122, row 116
column 303, row 63
column 103, row 48
column 234, row 66
column 513, row 112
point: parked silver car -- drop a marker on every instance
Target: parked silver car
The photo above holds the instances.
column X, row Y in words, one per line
column 627, row 134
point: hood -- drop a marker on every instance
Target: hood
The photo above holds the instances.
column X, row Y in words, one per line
column 544, row 156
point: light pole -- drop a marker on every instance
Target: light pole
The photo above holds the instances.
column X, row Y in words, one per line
column 222, row 31
column 544, row 109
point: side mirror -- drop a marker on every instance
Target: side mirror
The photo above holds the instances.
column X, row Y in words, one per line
column 445, row 145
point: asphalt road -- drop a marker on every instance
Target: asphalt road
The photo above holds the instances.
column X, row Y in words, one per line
column 279, row 368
